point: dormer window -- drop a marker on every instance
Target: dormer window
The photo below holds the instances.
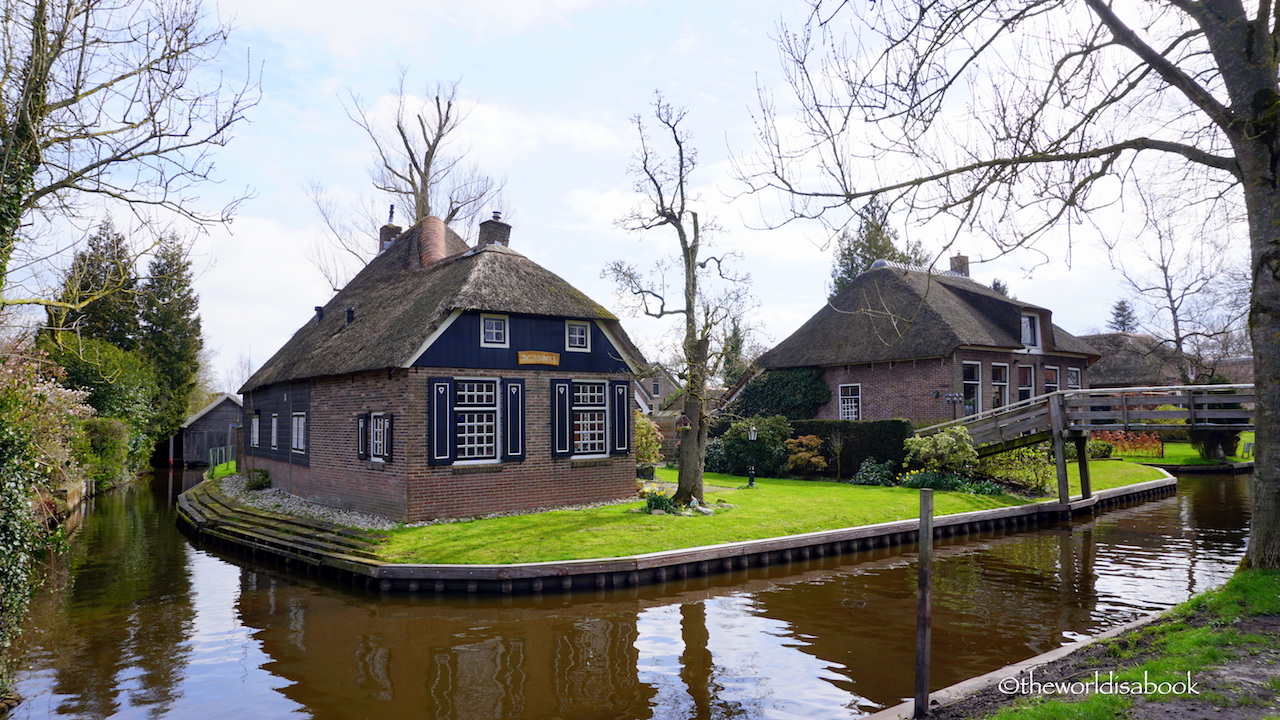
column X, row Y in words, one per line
column 1031, row 331
column 577, row 336
column 493, row 331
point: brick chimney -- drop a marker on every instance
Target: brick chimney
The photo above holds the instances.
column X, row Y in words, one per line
column 960, row 264
column 431, row 246
column 387, row 234
column 494, row 231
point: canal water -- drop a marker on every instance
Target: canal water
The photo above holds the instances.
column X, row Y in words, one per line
column 135, row 622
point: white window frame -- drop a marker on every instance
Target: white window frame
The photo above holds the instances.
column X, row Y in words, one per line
column 569, row 325
column 998, row 388
column 851, row 410
column 1031, row 389
column 255, row 430
column 378, row 437
column 275, row 431
column 298, row 433
column 477, row 425
column 977, row 385
column 1031, row 321
column 1075, row 378
column 1057, row 379
column 596, row 434
column 504, row 341
column 657, row 387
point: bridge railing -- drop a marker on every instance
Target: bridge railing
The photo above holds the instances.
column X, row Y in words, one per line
column 1157, row 408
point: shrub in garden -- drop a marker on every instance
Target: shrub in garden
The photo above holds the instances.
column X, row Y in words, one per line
column 875, row 473
column 1094, row 449
column 1146, row 444
column 768, row 453
column 648, row 440
column 715, row 460
column 1028, row 467
column 933, row 479
column 258, row 480
column 806, row 456
column 950, row 450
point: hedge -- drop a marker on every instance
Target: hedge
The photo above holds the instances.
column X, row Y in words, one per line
column 879, row 439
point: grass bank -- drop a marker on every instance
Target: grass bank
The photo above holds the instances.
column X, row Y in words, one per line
column 773, row 508
column 1216, row 655
column 223, row 470
column 1181, row 453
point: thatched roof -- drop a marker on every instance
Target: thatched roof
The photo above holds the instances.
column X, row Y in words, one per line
column 898, row 313
column 398, row 304
column 1132, row 360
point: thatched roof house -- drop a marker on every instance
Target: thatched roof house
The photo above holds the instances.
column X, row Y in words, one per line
column 448, row 380
column 898, row 339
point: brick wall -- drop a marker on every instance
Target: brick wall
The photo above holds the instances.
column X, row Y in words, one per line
column 409, row 489
column 916, row 389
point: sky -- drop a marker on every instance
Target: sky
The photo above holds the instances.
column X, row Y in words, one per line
column 552, row 87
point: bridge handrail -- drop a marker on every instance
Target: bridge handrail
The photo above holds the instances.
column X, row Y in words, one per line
column 1083, row 392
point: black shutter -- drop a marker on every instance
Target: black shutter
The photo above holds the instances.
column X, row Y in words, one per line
column 362, row 436
column 441, row 439
column 620, row 414
column 561, row 418
column 512, row 420
column 388, row 436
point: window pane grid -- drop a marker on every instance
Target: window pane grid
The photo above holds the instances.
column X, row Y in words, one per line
column 588, row 431
column 577, row 335
column 378, row 437
column 477, row 435
column 476, row 393
column 588, row 394
column 495, row 331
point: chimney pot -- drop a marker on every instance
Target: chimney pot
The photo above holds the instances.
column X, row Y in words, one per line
column 351, row 315
column 494, row 231
column 387, row 235
column 431, row 247
column 319, row 313
column 960, row 264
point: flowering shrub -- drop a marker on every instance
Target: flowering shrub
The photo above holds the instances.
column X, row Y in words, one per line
column 1132, row 443
column 648, row 440
column 950, row 450
column 805, row 457
column 658, row 498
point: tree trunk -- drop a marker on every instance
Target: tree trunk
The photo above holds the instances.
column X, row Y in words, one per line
column 1262, row 196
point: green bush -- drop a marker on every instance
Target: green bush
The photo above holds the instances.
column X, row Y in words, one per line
column 107, row 463
column 1030, row 467
column 258, row 480
column 795, row 393
column 768, row 453
column 1094, row 450
column 876, row 473
column 850, row 443
column 933, row 479
column 950, row 451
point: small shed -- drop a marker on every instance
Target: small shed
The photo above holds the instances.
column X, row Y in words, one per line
column 214, row 426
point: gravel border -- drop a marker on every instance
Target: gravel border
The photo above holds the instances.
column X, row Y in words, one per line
column 277, row 500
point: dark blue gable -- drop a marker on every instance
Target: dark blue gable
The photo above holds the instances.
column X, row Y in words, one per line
column 459, row 346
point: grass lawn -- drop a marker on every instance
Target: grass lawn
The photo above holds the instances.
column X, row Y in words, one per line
column 773, row 508
column 1179, row 453
column 223, row 470
column 1105, row 474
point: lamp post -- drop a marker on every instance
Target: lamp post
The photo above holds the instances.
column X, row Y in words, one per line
column 751, row 470
column 955, row 399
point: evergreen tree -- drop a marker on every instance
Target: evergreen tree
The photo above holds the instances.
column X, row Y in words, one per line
column 101, row 289
column 734, row 364
column 1123, row 319
column 171, row 335
column 875, row 240
column 1000, row 286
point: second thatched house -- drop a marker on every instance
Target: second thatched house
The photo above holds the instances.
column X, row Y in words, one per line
column 902, row 342
column 448, row 381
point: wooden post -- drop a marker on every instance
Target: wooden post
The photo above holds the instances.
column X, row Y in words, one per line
column 924, row 605
column 1058, row 424
column 1082, row 461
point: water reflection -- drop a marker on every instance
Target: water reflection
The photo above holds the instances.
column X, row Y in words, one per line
column 140, row 624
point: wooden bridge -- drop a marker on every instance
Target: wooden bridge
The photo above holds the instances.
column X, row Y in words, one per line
column 1070, row 415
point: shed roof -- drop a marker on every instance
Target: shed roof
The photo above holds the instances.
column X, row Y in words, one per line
column 899, row 313
column 209, row 408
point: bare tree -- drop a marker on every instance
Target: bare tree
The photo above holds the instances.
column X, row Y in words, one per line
column 418, row 165
column 1016, row 119
column 1181, row 271
column 705, row 307
column 106, row 102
